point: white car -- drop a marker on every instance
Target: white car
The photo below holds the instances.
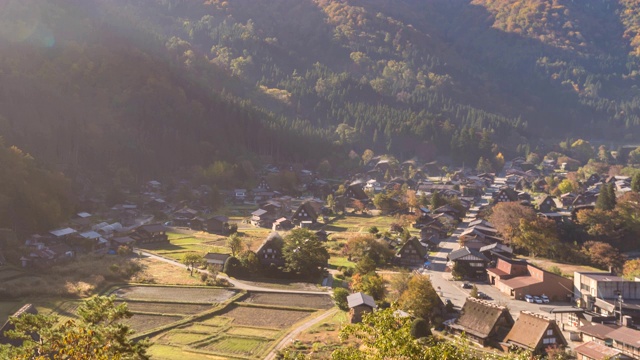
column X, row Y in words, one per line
column 545, row 298
column 537, row 300
column 528, row 298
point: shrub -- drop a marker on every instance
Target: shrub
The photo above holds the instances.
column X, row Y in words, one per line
column 232, row 266
column 420, row 328
column 340, row 298
column 204, row 277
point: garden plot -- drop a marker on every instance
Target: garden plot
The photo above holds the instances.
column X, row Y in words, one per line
column 166, row 308
column 145, row 322
column 174, row 294
column 264, row 317
column 290, row 300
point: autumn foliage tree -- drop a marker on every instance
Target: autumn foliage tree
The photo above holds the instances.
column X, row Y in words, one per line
column 631, row 269
column 420, row 298
column 537, row 236
column 603, row 255
column 506, row 217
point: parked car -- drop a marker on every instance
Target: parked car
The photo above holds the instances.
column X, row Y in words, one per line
column 528, row 298
column 545, row 298
column 467, row 285
column 537, row 299
column 484, row 296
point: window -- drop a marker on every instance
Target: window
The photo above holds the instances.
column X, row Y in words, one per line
column 549, row 332
column 549, row 341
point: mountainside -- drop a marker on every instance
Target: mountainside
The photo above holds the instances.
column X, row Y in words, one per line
column 150, row 86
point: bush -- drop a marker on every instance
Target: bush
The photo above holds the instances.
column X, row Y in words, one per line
column 204, row 277
column 233, row 228
column 340, row 298
column 348, row 272
column 232, row 266
column 373, row 230
column 420, row 328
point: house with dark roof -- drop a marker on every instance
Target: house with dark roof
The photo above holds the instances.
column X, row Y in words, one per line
column 152, row 233
column 282, row 224
column 483, row 322
column 360, row 304
column 470, row 262
column 305, row 212
column 547, row 204
column 355, row 190
column 493, row 250
column 534, row 333
column 449, row 210
column 216, row 258
column 4, row 340
column 412, row 253
column 505, row 194
column 270, row 251
column 218, row 224
column 262, row 218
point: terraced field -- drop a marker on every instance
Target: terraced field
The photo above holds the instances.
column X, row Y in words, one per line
column 264, row 317
column 167, row 308
column 294, row 300
column 174, row 294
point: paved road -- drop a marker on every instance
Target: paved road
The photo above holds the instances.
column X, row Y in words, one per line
column 237, row 284
column 295, row 332
column 452, row 290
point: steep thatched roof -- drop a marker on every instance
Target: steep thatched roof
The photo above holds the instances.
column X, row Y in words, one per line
column 479, row 317
column 528, row 330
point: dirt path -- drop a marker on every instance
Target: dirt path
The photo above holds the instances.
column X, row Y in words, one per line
column 295, row 332
column 237, row 284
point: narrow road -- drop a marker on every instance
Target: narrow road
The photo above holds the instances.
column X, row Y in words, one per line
column 295, row 332
column 237, row 284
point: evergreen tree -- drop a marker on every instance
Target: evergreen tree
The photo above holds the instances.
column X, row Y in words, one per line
column 635, row 182
column 606, row 198
column 437, row 200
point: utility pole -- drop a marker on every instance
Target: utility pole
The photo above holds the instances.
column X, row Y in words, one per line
column 620, row 301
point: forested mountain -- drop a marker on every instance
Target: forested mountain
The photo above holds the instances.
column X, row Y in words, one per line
column 147, row 86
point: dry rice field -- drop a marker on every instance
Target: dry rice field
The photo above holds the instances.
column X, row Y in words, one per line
column 174, row 294
column 293, row 300
column 264, row 317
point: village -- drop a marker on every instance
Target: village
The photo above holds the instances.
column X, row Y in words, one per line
column 424, row 221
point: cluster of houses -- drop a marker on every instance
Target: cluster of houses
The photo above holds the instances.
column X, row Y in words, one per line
column 63, row 244
column 491, row 324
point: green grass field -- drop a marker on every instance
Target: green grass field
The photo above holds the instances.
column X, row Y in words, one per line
column 337, row 261
column 254, row 332
column 243, row 346
column 183, row 338
column 167, row 352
